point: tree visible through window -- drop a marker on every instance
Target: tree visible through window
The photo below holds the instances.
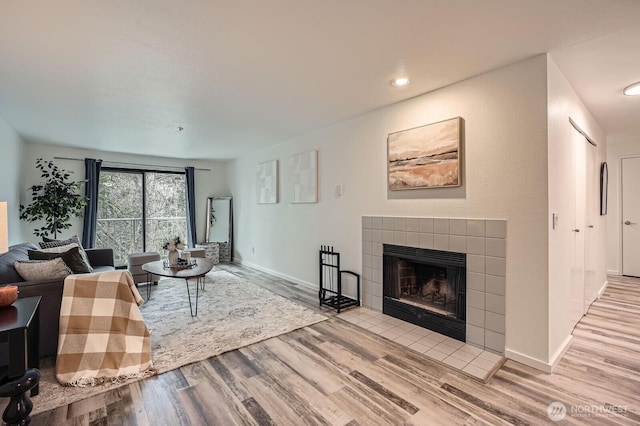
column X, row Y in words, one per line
column 139, row 211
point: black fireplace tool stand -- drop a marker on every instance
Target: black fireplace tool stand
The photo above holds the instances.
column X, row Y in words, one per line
column 330, row 293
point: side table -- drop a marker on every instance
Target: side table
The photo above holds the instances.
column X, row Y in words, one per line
column 20, row 326
column 212, row 251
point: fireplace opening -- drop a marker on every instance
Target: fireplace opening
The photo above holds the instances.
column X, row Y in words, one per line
column 426, row 288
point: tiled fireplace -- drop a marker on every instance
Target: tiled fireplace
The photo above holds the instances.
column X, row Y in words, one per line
column 481, row 244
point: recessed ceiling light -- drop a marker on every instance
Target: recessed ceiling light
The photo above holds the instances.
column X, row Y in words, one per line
column 399, row 82
column 632, row 90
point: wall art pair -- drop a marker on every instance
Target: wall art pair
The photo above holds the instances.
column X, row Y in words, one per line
column 303, row 179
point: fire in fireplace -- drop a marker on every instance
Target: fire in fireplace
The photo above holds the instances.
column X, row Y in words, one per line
column 426, row 288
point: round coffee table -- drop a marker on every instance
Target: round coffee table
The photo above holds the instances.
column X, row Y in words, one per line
column 197, row 271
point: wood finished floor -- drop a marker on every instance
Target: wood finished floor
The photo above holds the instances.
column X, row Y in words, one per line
column 334, row 373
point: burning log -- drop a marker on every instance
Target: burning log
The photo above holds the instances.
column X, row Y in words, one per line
column 438, row 288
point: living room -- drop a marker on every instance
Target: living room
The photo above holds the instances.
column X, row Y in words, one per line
column 516, row 168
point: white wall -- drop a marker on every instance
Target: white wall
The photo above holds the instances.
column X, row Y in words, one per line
column 615, row 153
column 10, row 160
column 564, row 103
column 505, row 177
column 208, row 183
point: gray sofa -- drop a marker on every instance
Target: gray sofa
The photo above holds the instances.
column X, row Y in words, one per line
column 50, row 290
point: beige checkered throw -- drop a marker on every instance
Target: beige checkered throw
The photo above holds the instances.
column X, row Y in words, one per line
column 103, row 337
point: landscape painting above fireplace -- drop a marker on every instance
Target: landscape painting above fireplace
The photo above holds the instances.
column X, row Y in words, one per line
column 425, row 157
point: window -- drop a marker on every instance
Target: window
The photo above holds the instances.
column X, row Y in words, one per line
column 139, row 211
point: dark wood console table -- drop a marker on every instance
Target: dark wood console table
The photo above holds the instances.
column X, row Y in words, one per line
column 20, row 327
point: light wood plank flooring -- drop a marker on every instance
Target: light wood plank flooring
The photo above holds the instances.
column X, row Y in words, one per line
column 335, row 373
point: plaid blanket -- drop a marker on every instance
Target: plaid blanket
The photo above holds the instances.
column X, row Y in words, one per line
column 103, row 337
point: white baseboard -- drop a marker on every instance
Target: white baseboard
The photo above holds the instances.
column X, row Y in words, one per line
column 613, row 272
column 557, row 357
column 312, row 286
column 602, row 289
column 527, row 360
column 545, row 367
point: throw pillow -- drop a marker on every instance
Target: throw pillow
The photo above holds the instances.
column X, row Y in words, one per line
column 41, row 269
column 49, row 243
column 58, row 249
column 71, row 257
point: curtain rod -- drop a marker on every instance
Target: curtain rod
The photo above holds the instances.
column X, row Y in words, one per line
column 130, row 164
column 582, row 132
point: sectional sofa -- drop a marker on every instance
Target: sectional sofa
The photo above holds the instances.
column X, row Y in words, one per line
column 49, row 289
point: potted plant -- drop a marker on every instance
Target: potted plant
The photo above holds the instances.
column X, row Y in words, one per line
column 54, row 201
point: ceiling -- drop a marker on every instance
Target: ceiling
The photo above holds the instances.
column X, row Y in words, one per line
column 238, row 75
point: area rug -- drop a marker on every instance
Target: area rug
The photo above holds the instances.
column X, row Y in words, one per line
column 232, row 313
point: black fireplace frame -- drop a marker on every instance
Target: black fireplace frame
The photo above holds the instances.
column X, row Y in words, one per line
column 447, row 325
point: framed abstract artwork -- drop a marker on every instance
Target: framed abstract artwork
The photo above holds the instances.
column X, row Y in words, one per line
column 425, row 157
column 267, row 182
column 604, row 187
column 303, row 171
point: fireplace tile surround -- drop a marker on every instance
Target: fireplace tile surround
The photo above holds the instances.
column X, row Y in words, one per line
column 484, row 242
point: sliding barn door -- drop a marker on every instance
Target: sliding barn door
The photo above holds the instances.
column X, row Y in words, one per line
column 576, row 295
column 592, row 213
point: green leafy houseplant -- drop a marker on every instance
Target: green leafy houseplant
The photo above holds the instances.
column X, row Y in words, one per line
column 54, row 201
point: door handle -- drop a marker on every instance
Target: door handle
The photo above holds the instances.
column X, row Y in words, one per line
column 576, row 230
column 591, row 226
column 626, row 222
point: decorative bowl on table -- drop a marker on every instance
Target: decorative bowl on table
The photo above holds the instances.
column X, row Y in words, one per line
column 180, row 264
column 8, row 295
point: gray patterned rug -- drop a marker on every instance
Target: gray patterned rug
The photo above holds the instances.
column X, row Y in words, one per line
column 232, row 313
